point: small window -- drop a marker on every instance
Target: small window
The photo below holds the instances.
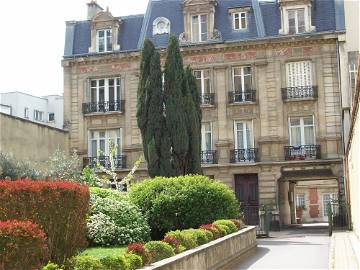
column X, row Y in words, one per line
column 296, row 20
column 104, row 40
column 239, row 20
column 161, row 26
column 26, row 113
column 38, row 115
column 51, row 117
column 300, row 200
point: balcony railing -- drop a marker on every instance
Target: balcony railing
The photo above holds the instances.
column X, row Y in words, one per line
column 106, row 106
column 239, row 97
column 302, row 152
column 119, row 162
column 243, row 155
column 207, row 99
column 299, row 92
column 209, row 157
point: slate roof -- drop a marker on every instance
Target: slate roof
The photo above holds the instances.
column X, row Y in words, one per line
column 263, row 22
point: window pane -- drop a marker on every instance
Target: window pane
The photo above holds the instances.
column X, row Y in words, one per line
column 295, row 122
column 237, row 84
column 101, row 33
column 243, row 20
column 301, row 21
column 247, row 83
column 240, row 136
column 309, row 135
column 108, row 40
column 208, row 141
column 295, row 136
column 207, row 87
column 203, row 27
column 292, row 26
column 248, row 136
column 93, row 148
column 102, row 148
column 195, row 28
column 308, row 121
column 236, row 21
column 111, row 90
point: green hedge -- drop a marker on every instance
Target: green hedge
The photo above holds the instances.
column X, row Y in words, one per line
column 183, row 202
column 159, row 250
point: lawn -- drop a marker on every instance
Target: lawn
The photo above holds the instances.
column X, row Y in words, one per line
column 100, row 252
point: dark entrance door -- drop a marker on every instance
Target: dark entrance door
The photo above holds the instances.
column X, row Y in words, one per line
column 246, row 189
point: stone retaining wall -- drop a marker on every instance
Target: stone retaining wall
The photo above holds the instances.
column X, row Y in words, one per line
column 213, row 255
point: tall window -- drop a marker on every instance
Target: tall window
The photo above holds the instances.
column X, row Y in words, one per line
column 328, row 198
column 296, row 20
column 101, row 141
column 103, row 90
column 352, row 80
column 199, row 28
column 243, row 135
column 300, row 200
column 38, row 115
column 206, row 137
column 104, row 40
column 26, row 113
column 239, row 21
column 203, row 81
column 299, row 74
column 242, row 79
column 302, row 131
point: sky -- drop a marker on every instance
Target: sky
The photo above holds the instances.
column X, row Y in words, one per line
column 33, row 36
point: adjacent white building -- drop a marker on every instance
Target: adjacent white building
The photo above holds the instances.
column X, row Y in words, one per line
column 47, row 110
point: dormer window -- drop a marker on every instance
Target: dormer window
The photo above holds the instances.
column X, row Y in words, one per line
column 296, row 20
column 199, row 28
column 239, row 20
column 161, row 26
column 104, row 40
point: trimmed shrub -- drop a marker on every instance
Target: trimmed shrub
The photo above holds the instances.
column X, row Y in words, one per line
column 139, row 249
column 23, row 245
column 115, row 263
column 135, row 261
column 183, row 202
column 60, row 208
column 189, row 241
column 86, row 263
column 212, row 228
column 102, row 230
column 108, row 193
column 131, row 225
column 172, row 241
column 159, row 250
column 209, row 235
column 238, row 223
column 52, row 266
column 223, row 230
column 228, row 223
column 200, row 235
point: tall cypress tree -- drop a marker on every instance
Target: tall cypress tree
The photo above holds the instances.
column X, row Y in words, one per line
column 175, row 107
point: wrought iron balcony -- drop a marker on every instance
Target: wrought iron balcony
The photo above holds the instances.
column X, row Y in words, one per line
column 207, row 99
column 243, row 155
column 302, row 152
column 209, row 157
column 106, row 106
column 239, row 97
column 299, row 92
column 119, row 162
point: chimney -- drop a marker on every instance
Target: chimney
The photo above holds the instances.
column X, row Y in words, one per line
column 93, row 9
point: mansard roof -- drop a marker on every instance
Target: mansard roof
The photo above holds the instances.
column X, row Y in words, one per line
column 263, row 22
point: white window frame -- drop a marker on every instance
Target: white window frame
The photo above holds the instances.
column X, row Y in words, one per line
column 298, row 198
column 305, row 68
column 296, row 10
column 302, row 129
column 107, row 141
column 199, row 28
column 202, row 79
column 239, row 14
column 249, row 123
column 38, row 115
column 105, row 40
column 203, row 136
column 26, row 113
column 117, row 83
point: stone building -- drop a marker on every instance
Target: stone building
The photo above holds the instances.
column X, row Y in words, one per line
column 268, row 75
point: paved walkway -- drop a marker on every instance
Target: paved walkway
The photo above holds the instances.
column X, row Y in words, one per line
column 298, row 248
column 344, row 250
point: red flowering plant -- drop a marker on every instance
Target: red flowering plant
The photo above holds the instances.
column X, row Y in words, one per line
column 23, row 245
column 212, row 228
column 172, row 241
column 139, row 249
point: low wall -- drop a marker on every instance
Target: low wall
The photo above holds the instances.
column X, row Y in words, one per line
column 27, row 140
column 213, row 255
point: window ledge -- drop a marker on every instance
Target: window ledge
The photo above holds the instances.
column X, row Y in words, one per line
column 103, row 113
column 243, row 103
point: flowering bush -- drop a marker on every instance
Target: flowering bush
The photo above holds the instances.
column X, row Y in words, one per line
column 139, row 249
column 212, row 228
column 60, row 208
column 131, row 226
column 159, row 250
column 172, row 241
column 23, row 245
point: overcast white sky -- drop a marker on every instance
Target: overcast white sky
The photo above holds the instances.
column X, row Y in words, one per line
column 32, row 41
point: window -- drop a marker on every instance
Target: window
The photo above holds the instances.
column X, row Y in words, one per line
column 104, row 40
column 239, row 21
column 199, row 28
column 243, row 135
column 161, row 26
column 101, row 141
column 296, row 20
column 26, row 113
column 203, row 81
column 300, row 200
column 302, row 131
column 206, row 137
column 352, row 79
column 38, row 115
column 299, row 74
column 328, row 198
column 51, row 117
column 105, row 90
